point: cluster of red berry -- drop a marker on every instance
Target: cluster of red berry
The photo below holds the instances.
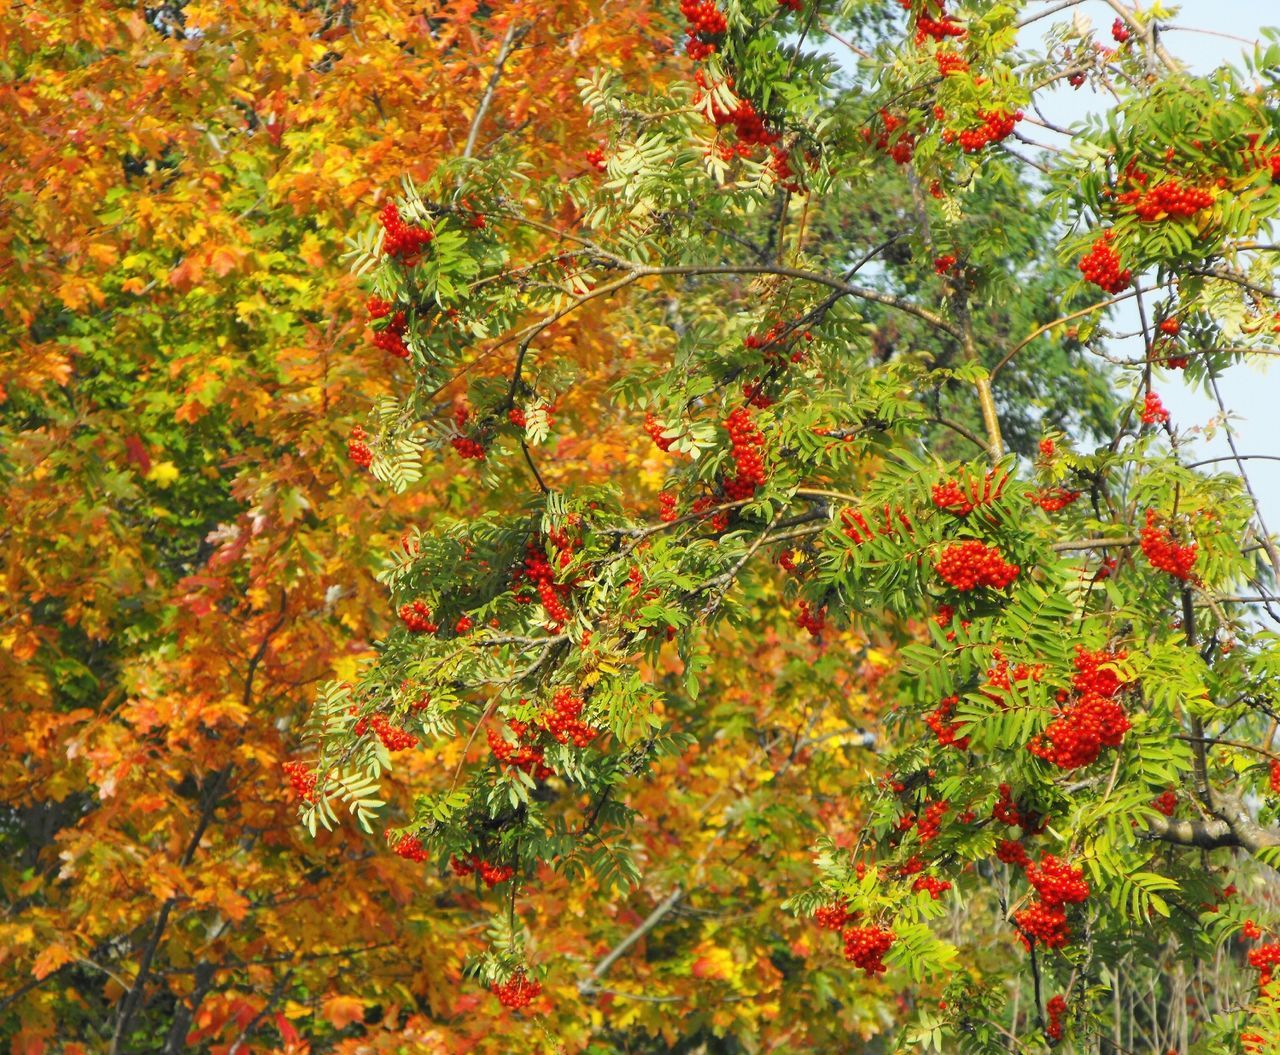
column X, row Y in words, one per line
column 537, row 571
column 1006, row 811
column 1101, row 266
column 943, row 264
column 899, row 145
column 522, row 754
column 595, row 158
column 655, row 429
column 393, row 739
column 865, row 947
column 357, row 449
column 948, row 63
column 403, row 241
column 939, row 720
column 417, row 617
column 1163, row 552
column 668, row 507
column 1057, row 1007
column 997, row 125
column 938, row 28
column 1054, row 499
column 492, row 874
column 1153, row 412
column 1166, row 802
column 812, row 619
column 410, row 848
column 1012, row 852
column 747, row 453
column 936, row 887
column 564, row 720
column 1000, row 676
column 1265, row 958
column 706, row 22
column 1119, row 31
column 1170, row 197
column 855, row 526
column 969, row 564
column 833, row 916
column 390, row 338
column 1087, row 720
column 961, row 498
column 931, row 823
column 302, row 780
column 517, row 991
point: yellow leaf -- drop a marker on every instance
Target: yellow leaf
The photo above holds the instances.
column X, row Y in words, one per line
column 341, row 1011
column 50, row 959
column 163, row 473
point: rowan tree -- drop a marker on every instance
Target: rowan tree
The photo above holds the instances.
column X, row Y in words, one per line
column 911, row 517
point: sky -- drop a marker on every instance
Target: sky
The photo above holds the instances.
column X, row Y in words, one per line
column 1201, row 36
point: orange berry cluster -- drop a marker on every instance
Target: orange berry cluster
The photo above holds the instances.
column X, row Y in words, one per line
column 523, row 754
column 1054, row 499
column 655, row 429
column 410, row 848
column 393, row 739
column 1057, row 1007
column 1168, row 198
column 943, row 264
column 595, row 158
column 865, row 947
column 969, row 564
column 564, row 720
column 1101, row 266
column 855, row 525
column 491, row 874
column 936, row 887
column 417, row 617
column 996, row 125
column 705, row 20
column 900, row 146
column 945, row 729
column 962, row 498
column 1275, row 775
column 949, row 62
column 937, row 28
column 931, row 823
column 668, row 510
column 833, row 916
column 403, row 241
column 748, row 455
column 390, row 338
column 1057, row 882
column 301, row 779
column 1012, row 852
column 1153, row 412
column 1265, row 958
column 517, row 991
column 1088, row 720
column 538, row 572
column 1163, row 552
column 814, row 620
column 357, row 449
column 1006, row 811
column 1166, row 802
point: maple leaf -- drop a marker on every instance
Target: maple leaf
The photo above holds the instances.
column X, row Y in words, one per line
column 50, row 959
column 342, row 1011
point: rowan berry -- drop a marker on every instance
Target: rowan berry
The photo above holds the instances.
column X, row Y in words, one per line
column 517, row 991
column 301, row 779
column 943, row 728
column 357, row 449
column 969, row 564
column 1251, row 930
column 812, row 620
column 833, row 916
column 747, row 453
column 1166, row 802
column 1163, row 552
column 866, row 946
column 1153, row 412
column 410, row 848
column 1101, row 266
column 417, row 617
column 405, row 242
column 944, row 263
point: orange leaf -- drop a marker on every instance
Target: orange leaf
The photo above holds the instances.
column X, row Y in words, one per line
column 50, row 959
column 341, row 1011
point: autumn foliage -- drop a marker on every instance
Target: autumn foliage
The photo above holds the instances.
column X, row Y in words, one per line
column 600, row 528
